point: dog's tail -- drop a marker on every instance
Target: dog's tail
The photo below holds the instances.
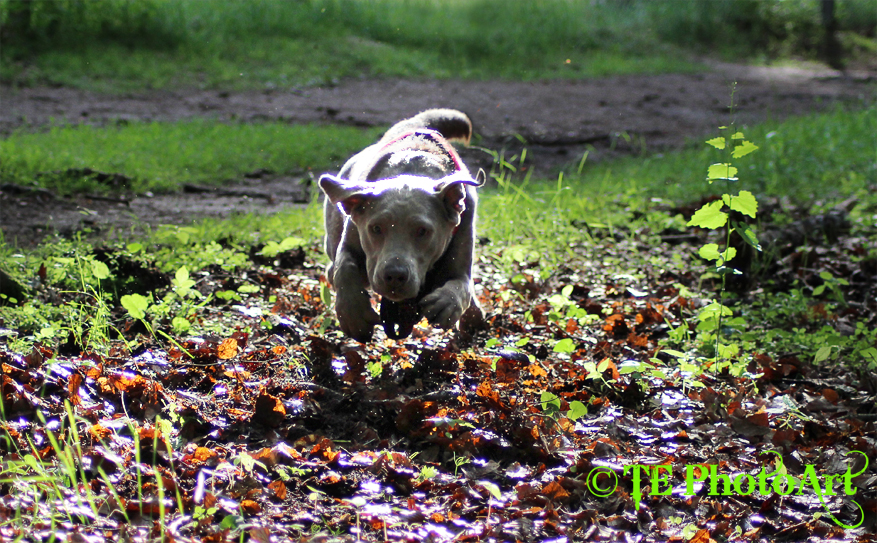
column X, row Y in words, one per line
column 450, row 123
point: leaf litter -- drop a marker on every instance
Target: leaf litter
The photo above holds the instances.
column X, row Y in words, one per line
column 524, row 425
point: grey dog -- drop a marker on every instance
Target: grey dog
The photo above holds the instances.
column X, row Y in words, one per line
column 400, row 220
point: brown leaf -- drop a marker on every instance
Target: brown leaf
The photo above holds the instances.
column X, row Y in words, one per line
column 507, row 370
column 73, row 384
column 831, row 395
column 278, row 489
column 269, row 410
column 702, row 536
column 203, row 454
column 250, row 507
column 98, row 432
column 555, row 492
column 228, row 349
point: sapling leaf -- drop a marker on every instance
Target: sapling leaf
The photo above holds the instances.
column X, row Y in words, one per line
column 737, row 136
column 709, row 216
column 729, row 254
column 710, row 251
column 721, row 171
column 744, row 149
column 712, row 311
column 718, row 143
column 744, row 202
column 748, row 235
column 492, row 488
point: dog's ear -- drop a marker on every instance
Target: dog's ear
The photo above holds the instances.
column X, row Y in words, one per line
column 348, row 194
column 451, row 190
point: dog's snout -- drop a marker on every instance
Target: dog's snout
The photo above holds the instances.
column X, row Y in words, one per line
column 396, row 276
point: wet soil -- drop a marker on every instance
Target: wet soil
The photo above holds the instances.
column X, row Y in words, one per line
column 558, row 120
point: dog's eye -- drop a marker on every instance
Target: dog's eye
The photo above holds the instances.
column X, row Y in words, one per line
column 422, row 232
column 376, row 229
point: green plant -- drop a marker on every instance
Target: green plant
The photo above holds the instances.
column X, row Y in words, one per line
column 718, row 215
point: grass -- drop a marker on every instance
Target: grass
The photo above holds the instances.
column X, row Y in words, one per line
column 119, row 45
column 813, row 157
column 204, row 152
column 825, row 157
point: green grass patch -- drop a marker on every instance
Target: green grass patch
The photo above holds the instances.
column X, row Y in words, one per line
column 161, row 156
column 813, row 157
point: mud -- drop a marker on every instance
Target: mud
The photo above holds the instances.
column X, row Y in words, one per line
column 557, row 119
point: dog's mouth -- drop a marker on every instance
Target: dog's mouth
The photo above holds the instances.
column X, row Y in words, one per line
column 397, row 295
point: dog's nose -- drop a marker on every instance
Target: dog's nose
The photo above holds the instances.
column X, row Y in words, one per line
column 395, row 276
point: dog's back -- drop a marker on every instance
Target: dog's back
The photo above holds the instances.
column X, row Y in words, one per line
column 414, row 146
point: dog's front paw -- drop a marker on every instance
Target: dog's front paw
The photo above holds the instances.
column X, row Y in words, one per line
column 443, row 306
column 355, row 315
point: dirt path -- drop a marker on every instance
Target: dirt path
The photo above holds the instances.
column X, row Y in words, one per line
column 558, row 119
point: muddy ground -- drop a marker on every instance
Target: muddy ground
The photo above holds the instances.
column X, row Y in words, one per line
column 558, row 119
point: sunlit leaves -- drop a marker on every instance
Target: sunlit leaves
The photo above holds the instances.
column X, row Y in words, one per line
column 709, row 216
column 565, row 345
column 99, row 270
column 721, row 172
column 577, row 410
column 718, row 143
column 182, row 283
column 136, row 304
column 710, row 251
column 744, row 202
column 743, row 149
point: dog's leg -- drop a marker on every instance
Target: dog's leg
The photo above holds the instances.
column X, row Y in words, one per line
column 453, row 292
column 353, row 306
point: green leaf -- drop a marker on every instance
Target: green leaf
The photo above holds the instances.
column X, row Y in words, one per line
column 819, row 290
column 182, row 283
column 99, row 270
column 721, row 171
column 180, row 325
column 325, row 295
column 718, row 143
column 744, row 149
column 712, row 311
column 744, row 202
column 549, row 402
column 577, row 410
column 565, row 345
column 729, row 254
column 748, row 235
column 136, row 305
column 710, row 251
column 674, row 353
column 709, row 216
column 737, row 136
column 248, row 289
column 492, row 488
column 822, row 354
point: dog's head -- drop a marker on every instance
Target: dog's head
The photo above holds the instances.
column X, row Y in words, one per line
column 405, row 225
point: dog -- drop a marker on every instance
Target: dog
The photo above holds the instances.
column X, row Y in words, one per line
column 400, row 220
